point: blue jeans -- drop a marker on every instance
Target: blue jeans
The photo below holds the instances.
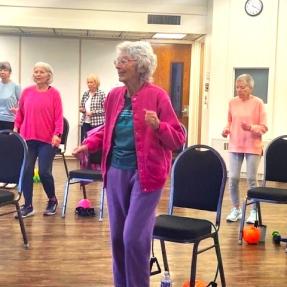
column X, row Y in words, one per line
column 132, row 217
column 45, row 153
column 235, row 163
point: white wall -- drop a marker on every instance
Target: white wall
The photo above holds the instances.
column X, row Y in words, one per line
column 97, row 57
column 71, row 59
column 239, row 40
column 279, row 116
column 9, row 49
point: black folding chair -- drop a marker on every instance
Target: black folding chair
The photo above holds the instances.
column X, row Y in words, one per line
column 183, row 147
column 13, row 157
column 275, row 170
column 198, row 181
column 85, row 176
column 61, row 150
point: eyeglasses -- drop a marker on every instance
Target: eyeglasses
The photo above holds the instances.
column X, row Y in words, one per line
column 123, row 61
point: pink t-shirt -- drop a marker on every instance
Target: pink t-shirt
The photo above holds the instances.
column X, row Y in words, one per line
column 252, row 112
column 40, row 114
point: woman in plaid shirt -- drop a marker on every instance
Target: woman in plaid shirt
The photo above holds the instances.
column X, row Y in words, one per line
column 92, row 106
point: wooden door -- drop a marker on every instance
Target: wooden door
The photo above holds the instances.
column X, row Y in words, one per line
column 171, row 58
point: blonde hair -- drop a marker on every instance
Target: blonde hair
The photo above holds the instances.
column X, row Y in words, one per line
column 94, row 78
column 48, row 69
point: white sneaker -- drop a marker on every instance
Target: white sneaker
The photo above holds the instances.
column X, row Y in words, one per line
column 234, row 215
column 7, row 185
column 252, row 217
column 10, row 185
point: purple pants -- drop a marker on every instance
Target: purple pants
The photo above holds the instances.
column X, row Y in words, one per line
column 132, row 217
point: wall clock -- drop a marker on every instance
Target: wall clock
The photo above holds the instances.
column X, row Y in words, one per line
column 253, row 7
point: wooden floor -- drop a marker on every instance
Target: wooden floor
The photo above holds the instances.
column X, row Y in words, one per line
column 75, row 252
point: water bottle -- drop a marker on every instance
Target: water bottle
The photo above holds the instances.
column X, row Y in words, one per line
column 166, row 281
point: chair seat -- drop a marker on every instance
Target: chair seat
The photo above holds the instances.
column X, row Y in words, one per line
column 6, row 196
column 181, row 229
column 86, row 174
column 268, row 193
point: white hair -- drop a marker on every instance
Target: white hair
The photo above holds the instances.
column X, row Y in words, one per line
column 47, row 67
column 143, row 53
column 248, row 79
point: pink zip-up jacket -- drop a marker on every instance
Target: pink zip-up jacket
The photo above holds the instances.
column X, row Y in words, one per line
column 153, row 147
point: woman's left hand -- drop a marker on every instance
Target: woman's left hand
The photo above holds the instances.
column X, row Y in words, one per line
column 151, row 119
column 56, row 141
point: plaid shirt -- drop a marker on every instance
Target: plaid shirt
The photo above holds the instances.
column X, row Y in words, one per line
column 97, row 107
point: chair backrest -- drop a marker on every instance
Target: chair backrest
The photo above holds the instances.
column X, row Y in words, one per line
column 183, row 147
column 198, row 180
column 91, row 160
column 95, row 158
column 64, row 137
column 275, row 160
column 13, row 156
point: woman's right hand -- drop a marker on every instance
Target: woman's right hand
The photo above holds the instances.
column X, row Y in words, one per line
column 225, row 132
column 14, row 110
column 82, row 110
column 78, row 150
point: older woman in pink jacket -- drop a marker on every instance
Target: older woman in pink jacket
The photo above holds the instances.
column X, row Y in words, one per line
column 141, row 130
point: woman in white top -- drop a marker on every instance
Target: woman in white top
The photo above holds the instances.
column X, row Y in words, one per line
column 92, row 106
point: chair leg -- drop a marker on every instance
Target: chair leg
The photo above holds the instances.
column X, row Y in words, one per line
column 83, row 186
column 164, row 256
column 259, row 213
column 22, row 226
column 66, row 192
column 242, row 221
column 193, row 264
column 219, row 260
column 102, row 204
column 66, row 166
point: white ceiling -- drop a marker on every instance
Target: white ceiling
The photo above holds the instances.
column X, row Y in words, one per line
column 169, row 7
column 74, row 33
column 154, row 6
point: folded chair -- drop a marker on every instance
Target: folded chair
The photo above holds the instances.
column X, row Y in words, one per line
column 13, row 157
column 85, row 175
column 61, row 150
column 275, row 170
column 198, row 181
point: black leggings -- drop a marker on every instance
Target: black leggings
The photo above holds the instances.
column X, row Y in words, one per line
column 84, row 129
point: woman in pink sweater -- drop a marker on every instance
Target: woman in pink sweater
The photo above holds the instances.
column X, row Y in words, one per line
column 245, row 127
column 40, row 121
